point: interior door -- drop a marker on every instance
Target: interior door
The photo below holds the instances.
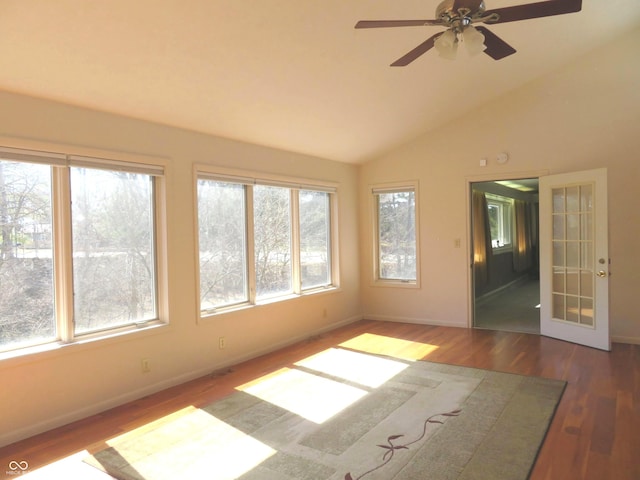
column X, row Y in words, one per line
column 574, row 260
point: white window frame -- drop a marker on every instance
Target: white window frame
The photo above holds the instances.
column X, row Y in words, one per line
column 375, row 190
column 250, row 179
column 61, row 160
column 506, row 223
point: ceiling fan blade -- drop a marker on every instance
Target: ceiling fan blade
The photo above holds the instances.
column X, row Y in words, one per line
column 395, row 23
column 472, row 5
column 535, row 10
column 416, row 52
column 496, row 47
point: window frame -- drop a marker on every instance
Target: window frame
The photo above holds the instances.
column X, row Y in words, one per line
column 60, row 160
column 506, row 221
column 250, row 179
column 396, row 187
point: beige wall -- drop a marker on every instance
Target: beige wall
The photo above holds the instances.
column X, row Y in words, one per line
column 585, row 116
column 42, row 391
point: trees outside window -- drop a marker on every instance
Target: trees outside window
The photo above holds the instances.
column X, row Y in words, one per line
column 113, row 253
column 284, row 230
column 272, row 240
column 396, row 234
column 315, row 239
column 222, row 217
column 26, row 260
column 103, row 234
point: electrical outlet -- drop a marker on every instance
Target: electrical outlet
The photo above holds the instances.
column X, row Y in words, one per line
column 145, row 365
column 222, row 343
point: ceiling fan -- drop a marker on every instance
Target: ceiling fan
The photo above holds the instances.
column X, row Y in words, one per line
column 458, row 16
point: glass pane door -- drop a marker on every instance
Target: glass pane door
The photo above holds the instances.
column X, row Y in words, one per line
column 573, row 254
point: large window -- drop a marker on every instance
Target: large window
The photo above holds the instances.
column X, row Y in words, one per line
column 77, row 247
column 396, row 234
column 261, row 240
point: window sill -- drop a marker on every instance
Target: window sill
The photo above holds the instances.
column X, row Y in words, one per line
column 209, row 315
column 396, row 283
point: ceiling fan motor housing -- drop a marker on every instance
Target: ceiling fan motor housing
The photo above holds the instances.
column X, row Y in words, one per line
column 445, row 11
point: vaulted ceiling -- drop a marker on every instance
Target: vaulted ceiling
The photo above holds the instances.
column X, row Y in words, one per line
column 289, row 74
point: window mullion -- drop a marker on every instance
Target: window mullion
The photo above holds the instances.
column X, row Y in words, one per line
column 251, row 258
column 62, row 253
column 296, row 276
column 334, row 239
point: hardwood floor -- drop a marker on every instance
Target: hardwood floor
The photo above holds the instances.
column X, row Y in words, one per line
column 594, row 435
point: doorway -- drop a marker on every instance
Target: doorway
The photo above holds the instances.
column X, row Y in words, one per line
column 505, row 255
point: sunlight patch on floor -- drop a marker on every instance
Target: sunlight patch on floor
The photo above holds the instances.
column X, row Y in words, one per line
column 360, row 368
column 69, row 467
column 229, row 451
column 394, row 347
column 313, row 397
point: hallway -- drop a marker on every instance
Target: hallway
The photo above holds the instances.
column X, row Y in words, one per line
column 516, row 309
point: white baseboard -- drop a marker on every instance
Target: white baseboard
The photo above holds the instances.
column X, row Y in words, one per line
column 629, row 340
column 65, row 419
column 418, row 321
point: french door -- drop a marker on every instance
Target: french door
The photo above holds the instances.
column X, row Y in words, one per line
column 574, row 259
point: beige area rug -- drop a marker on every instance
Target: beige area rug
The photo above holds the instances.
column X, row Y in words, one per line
column 345, row 415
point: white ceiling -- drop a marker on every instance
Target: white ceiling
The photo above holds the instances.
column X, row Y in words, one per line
column 290, row 74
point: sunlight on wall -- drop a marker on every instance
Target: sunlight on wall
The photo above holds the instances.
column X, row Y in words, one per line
column 394, row 347
column 356, row 367
column 310, row 396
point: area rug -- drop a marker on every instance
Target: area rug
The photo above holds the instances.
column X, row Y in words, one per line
column 345, row 415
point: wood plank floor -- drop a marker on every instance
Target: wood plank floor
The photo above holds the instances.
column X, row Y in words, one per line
column 595, row 433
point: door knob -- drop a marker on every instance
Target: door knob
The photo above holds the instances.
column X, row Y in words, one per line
column 601, row 273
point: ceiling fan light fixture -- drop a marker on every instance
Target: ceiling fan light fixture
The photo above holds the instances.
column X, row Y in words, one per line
column 447, row 44
column 473, row 40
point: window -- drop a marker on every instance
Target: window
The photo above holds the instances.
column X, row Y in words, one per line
column 26, row 262
column 315, row 239
column 69, row 271
column 283, row 228
column 500, row 210
column 222, row 228
column 396, row 234
column 113, row 253
column 272, row 241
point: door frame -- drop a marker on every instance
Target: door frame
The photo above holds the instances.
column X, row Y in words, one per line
column 469, row 181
